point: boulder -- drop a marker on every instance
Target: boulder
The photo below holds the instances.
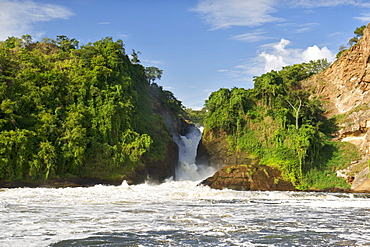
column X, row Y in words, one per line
column 248, row 177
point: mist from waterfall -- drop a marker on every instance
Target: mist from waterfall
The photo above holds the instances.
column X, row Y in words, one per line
column 187, row 169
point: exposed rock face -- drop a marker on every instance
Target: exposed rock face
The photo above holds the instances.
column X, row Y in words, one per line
column 160, row 170
column 214, row 150
column 248, row 177
column 344, row 88
column 345, row 85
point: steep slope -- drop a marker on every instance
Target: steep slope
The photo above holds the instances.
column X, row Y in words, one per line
column 82, row 114
column 344, row 89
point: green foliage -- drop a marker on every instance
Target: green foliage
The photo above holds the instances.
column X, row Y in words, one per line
column 315, row 67
column 196, row 116
column 334, row 156
column 153, row 73
column 225, row 108
column 359, row 32
column 82, row 111
column 276, row 122
column 166, row 98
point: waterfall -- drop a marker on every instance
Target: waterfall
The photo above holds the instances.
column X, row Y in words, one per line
column 187, row 169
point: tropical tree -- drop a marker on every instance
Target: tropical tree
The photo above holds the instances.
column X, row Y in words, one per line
column 152, row 73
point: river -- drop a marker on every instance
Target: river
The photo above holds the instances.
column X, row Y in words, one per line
column 180, row 213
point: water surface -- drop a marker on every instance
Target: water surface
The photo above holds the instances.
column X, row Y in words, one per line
column 180, row 213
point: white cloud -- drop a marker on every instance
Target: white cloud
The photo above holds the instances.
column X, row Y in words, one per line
column 255, row 36
column 365, row 18
column 230, row 13
column 335, row 34
column 226, row 14
column 272, row 62
column 17, row 17
column 315, row 53
column 152, row 61
column 277, row 55
column 326, row 3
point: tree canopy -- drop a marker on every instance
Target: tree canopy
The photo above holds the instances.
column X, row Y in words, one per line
column 78, row 110
column 276, row 122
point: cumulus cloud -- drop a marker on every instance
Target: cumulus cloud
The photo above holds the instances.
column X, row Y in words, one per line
column 315, row 53
column 17, row 17
column 277, row 55
column 225, row 14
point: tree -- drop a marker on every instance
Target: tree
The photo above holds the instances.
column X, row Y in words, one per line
column 315, row 67
column 342, row 48
column 91, row 107
column 65, row 43
column 27, row 39
column 359, row 33
column 153, row 73
column 135, row 57
column 296, row 108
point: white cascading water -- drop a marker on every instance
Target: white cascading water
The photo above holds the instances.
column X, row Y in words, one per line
column 181, row 213
column 187, row 169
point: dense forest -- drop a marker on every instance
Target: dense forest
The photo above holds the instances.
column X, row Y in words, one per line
column 70, row 110
column 92, row 111
column 282, row 126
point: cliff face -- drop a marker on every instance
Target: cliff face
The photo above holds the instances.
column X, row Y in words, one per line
column 344, row 88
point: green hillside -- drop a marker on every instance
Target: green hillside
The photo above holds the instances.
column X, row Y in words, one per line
column 68, row 110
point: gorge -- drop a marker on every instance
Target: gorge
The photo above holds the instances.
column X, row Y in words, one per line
column 94, row 154
column 89, row 115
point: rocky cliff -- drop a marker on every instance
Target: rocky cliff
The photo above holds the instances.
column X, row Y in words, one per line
column 344, row 89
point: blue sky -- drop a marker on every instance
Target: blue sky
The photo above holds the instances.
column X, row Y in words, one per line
column 201, row 45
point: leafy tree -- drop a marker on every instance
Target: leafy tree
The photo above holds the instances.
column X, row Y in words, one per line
column 315, row 67
column 276, row 121
column 65, row 43
column 359, row 33
column 135, row 57
column 89, row 106
column 153, row 73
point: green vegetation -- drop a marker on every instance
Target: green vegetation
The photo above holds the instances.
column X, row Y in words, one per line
column 359, row 32
column 82, row 111
column 281, row 125
column 196, row 116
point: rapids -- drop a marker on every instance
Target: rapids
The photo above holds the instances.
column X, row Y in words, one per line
column 180, row 213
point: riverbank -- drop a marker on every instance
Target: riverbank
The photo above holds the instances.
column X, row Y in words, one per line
column 59, row 183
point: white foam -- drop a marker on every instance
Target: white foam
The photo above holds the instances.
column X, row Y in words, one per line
column 41, row 216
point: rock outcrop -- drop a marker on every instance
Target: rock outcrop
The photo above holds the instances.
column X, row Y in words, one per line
column 214, row 150
column 248, row 177
column 345, row 91
column 236, row 170
column 345, row 85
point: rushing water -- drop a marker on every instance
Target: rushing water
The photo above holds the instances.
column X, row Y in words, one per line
column 180, row 213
